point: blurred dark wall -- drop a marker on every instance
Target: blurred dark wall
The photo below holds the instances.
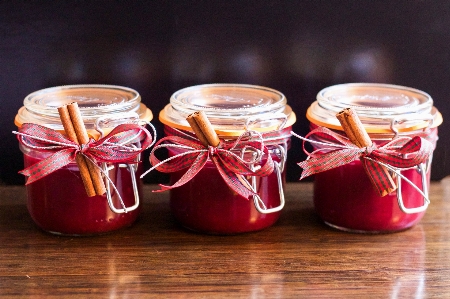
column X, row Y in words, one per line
column 158, row 47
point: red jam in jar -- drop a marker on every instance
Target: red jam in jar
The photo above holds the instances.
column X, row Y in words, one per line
column 58, row 202
column 344, row 197
column 206, row 203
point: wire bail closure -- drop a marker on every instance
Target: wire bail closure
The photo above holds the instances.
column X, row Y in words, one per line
column 395, row 121
column 276, row 116
column 281, row 152
column 422, row 168
column 132, row 117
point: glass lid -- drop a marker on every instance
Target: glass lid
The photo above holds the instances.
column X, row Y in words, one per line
column 377, row 105
column 228, row 106
column 94, row 101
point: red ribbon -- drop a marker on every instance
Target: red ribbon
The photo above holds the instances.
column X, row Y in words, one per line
column 336, row 150
column 113, row 148
column 194, row 155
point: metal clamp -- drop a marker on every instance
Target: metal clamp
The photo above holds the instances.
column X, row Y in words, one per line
column 132, row 168
column 276, row 116
column 259, row 204
column 395, row 121
column 421, row 168
column 126, row 117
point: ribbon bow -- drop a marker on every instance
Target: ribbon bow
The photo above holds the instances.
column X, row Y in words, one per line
column 232, row 167
column 116, row 147
column 336, row 150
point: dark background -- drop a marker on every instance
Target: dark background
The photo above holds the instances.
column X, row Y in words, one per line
column 158, row 47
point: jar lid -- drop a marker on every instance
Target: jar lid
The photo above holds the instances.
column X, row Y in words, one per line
column 231, row 108
column 113, row 104
column 379, row 106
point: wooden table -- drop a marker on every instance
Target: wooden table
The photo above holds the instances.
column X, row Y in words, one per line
column 299, row 257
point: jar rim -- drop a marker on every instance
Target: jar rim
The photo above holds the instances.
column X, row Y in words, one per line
column 379, row 106
column 229, row 107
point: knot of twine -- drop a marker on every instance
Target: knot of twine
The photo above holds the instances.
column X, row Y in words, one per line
column 212, row 150
column 83, row 148
column 369, row 149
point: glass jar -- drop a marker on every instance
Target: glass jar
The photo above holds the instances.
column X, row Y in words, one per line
column 206, row 203
column 344, row 197
column 58, row 202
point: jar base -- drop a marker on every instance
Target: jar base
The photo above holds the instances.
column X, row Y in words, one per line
column 367, row 232
column 72, row 235
column 223, row 233
column 81, row 235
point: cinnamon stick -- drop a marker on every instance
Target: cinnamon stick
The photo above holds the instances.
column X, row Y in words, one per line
column 83, row 138
column 198, row 132
column 355, row 131
column 354, row 128
column 81, row 162
column 203, row 128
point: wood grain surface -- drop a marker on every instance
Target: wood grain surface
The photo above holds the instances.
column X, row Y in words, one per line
column 298, row 257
